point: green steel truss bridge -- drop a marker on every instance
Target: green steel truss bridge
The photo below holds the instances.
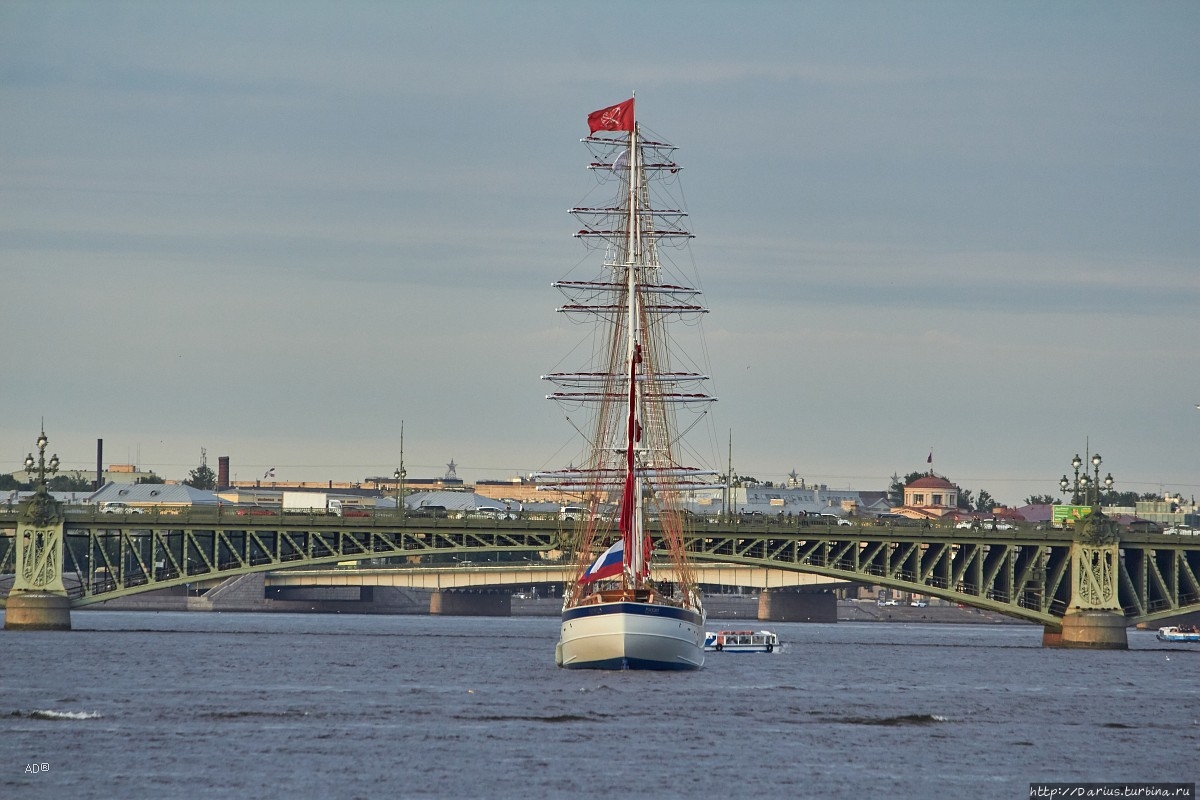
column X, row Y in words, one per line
column 1034, row 575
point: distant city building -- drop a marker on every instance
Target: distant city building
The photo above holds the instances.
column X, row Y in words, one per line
column 116, row 473
column 929, row 497
column 795, row 499
column 387, row 484
column 153, row 495
column 1170, row 510
column 315, row 486
column 455, row 504
column 351, row 495
column 14, row 497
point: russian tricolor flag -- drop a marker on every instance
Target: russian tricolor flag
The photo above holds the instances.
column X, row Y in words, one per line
column 610, row 563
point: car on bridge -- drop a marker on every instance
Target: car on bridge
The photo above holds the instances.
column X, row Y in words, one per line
column 116, row 507
column 491, row 512
column 896, row 520
column 256, row 511
column 429, row 511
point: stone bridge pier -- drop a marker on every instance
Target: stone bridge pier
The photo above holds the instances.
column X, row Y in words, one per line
column 1094, row 619
column 38, row 600
column 776, row 605
column 471, row 603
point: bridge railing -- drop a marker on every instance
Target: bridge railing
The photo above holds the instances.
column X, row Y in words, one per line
column 225, row 512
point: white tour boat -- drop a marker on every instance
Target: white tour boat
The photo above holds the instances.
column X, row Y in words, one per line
column 1178, row 633
column 741, row 642
column 625, row 403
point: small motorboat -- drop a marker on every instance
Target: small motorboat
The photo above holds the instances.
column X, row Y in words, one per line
column 1178, row 633
column 741, row 642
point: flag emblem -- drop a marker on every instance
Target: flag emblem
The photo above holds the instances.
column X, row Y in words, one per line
column 613, row 118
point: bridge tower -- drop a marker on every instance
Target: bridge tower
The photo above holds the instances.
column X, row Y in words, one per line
column 1094, row 619
column 38, row 599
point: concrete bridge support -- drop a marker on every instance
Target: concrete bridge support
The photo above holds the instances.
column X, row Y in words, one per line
column 1094, row 619
column 239, row 593
column 37, row 611
column 38, row 600
column 471, row 604
column 1089, row 630
column 780, row 606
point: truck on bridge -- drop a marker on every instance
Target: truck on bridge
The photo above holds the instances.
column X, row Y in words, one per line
column 311, row 503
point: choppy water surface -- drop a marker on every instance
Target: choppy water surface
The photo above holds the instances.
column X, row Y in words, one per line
column 167, row 705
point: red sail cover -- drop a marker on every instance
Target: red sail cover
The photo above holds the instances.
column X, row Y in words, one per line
column 634, row 434
column 613, row 118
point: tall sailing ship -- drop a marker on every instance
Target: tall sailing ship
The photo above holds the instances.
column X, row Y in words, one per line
column 619, row 613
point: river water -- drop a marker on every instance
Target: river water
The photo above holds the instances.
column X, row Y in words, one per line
column 179, row 705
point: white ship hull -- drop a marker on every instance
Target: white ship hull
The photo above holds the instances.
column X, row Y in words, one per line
column 631, row 635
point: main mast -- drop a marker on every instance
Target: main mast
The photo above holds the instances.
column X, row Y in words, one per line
column 634, row 265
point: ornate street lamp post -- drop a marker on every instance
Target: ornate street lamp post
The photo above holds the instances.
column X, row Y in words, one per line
column 399, row 476
column 1065, row 483
column 43, row 468
column 1083, row 487
column 42, row 506
column 1091, row 486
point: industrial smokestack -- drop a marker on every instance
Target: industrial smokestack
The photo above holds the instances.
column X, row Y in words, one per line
column 99, row 465
column 222, row 472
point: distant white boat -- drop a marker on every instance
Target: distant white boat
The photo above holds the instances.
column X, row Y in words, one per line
column 1178, row 633
column 741, row 642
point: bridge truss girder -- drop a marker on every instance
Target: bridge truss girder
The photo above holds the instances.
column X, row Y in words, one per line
column 106, row 563
column 1024, row 574
column 1160, row 582
column 1009, row 578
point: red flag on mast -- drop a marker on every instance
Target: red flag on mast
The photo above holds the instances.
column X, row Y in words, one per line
column 613, row 118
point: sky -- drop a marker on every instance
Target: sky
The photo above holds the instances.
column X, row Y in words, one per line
column 279, row 231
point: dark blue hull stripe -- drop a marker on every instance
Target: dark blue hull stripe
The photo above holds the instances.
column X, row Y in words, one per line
column 643, row 609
